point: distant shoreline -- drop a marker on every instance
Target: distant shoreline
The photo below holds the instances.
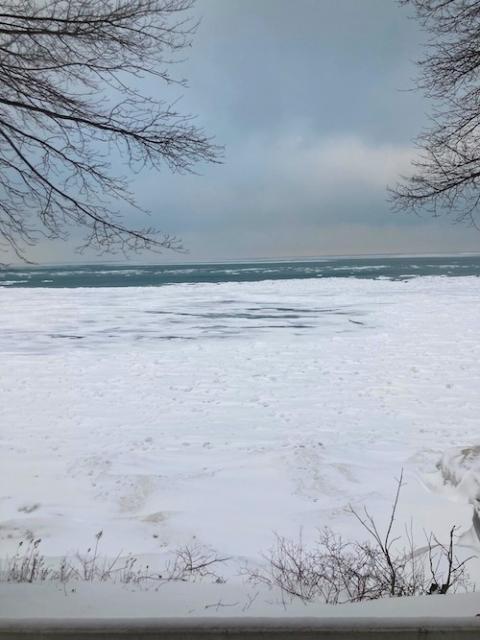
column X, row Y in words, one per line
column 220, row 261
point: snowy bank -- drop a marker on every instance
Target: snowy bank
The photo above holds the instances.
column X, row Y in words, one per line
column 20, row 601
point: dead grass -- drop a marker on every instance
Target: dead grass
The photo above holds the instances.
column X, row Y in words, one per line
column 188, row 563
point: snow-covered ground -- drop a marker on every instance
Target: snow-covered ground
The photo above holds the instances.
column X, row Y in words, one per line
column 179, row 600
column 223, row 413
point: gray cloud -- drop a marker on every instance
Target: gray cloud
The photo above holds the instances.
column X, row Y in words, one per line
column 310, row 99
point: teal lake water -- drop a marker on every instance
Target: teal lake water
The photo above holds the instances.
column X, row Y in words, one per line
column 393, row 268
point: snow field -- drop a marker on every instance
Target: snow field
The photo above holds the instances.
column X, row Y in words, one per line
column 221, row 413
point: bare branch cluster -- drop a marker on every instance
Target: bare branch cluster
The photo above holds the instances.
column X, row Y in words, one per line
column 335, row 571
column 71, row 95
column 446, row 177
column 194, row 562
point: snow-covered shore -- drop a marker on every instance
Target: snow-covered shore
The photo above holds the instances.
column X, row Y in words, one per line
column 200, row 600
column 221, row 413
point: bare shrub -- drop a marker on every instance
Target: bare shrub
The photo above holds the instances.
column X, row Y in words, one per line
column 193, row 563
column 292, row 567
column 337, row 571
column 454, row 573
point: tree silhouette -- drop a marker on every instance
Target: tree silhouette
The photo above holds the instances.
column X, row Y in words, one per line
column 70, row 78
column 446, row 176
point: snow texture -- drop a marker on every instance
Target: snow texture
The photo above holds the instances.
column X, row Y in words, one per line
column 209, row 600
column 222, row 413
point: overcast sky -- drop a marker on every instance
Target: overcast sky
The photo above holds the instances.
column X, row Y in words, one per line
column 312, row 101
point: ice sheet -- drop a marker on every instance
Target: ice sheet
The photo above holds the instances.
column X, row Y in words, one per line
column 226, row 412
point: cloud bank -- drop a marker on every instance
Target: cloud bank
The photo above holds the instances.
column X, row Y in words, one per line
column 308, row 99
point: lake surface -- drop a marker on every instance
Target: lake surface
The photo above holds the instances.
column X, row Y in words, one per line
column 392, row 268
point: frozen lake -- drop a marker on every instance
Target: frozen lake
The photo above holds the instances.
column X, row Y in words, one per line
column 225, row 412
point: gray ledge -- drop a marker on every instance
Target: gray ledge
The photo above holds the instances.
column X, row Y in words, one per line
column 235, row 628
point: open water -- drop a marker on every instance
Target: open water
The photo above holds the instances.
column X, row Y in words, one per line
column 391, row 268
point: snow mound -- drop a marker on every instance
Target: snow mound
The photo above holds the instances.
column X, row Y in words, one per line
column 460, row 469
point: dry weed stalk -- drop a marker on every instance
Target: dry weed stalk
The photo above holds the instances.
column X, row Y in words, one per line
column 189, row 563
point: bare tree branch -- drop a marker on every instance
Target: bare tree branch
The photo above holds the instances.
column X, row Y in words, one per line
column 446, row 176
column 70, row 72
